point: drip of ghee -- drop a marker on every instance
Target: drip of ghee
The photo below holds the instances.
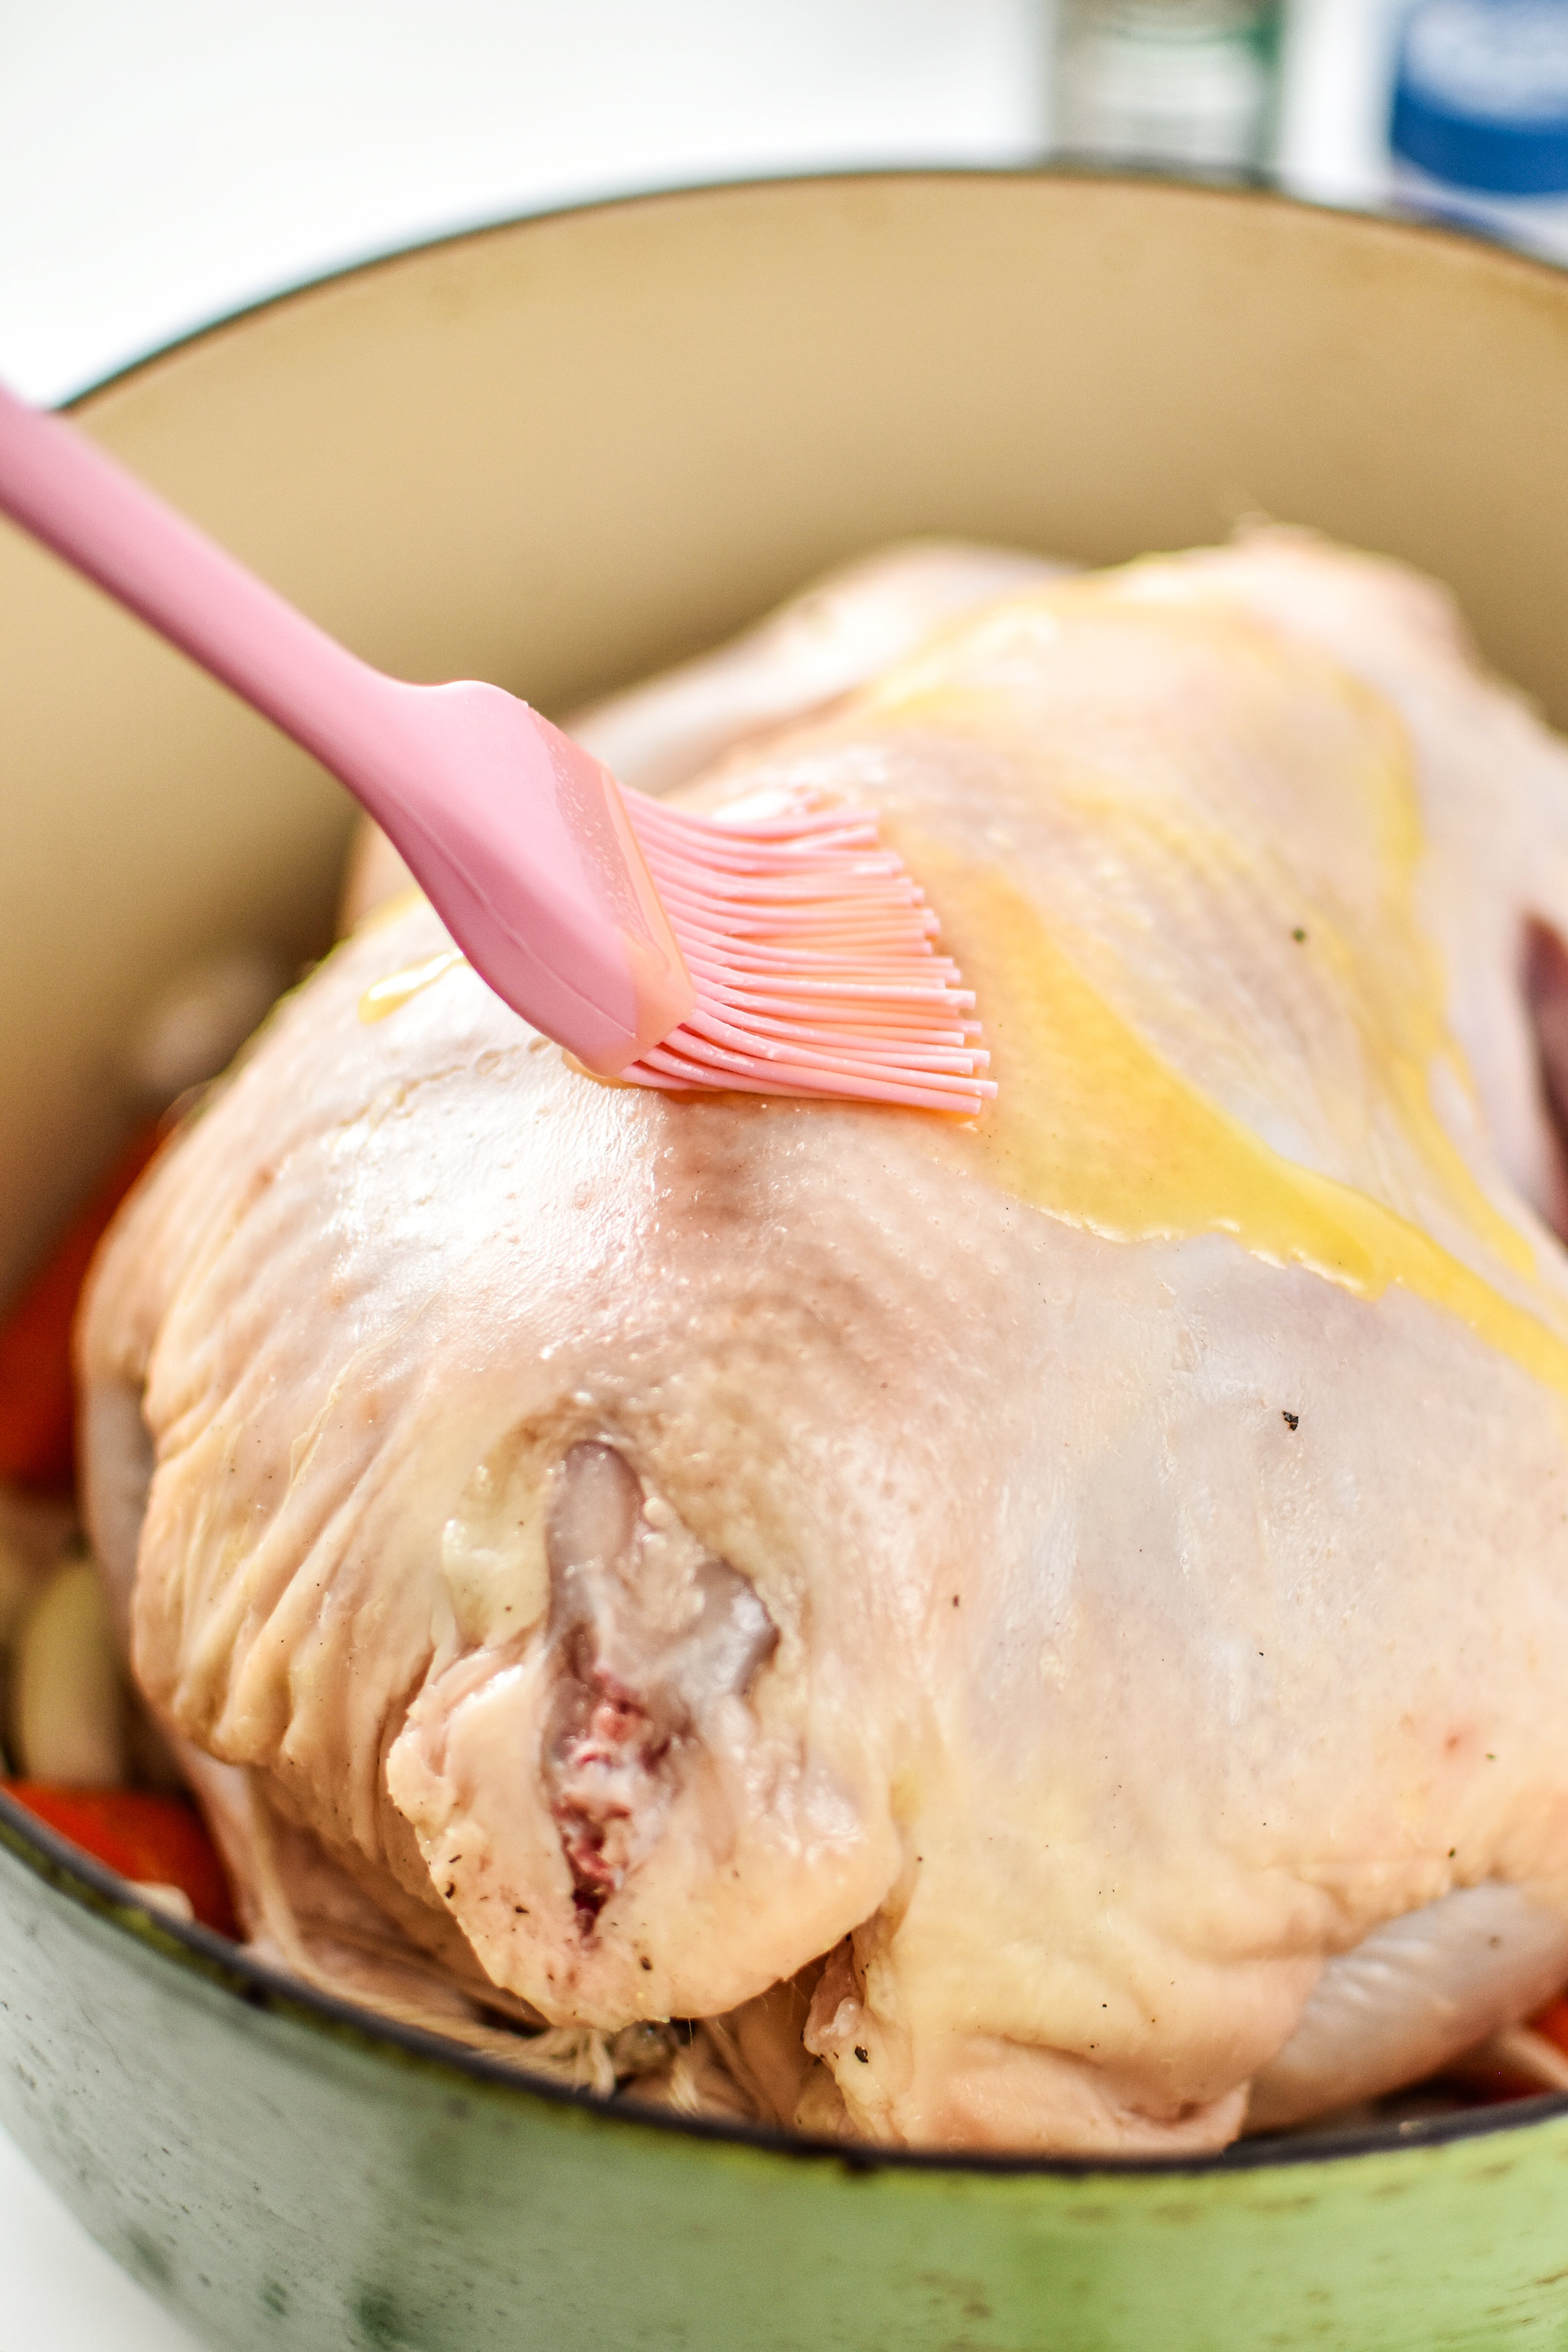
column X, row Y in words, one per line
column 1093, row 1126
column 384, row 996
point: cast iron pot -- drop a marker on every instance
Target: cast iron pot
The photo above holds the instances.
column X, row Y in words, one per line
column 555, row 454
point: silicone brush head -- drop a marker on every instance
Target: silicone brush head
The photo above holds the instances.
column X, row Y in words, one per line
column 777, row 948
column 814, row 960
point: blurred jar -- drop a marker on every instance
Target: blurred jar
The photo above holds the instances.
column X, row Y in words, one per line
column 1187, row 82
column 1480, row 121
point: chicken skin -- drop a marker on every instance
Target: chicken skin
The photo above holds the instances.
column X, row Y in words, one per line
column 1051, row 1626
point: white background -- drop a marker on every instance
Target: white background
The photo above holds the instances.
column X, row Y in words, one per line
column 163, row 161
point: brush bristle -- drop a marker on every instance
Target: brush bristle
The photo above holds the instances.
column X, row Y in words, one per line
column 814, row 960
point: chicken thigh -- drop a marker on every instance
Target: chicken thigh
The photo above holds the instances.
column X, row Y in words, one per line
column 1052, row 1624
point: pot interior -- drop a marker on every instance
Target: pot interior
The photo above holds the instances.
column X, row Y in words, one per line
column 561, row 452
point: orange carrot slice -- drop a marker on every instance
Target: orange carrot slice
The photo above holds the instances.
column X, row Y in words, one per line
column 1552, row 2020
column 37, row 1406
column 159, row 1840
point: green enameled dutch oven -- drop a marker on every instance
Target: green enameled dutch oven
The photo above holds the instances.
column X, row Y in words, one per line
column 556, row 455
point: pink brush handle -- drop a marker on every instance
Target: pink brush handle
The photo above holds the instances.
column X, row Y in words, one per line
column 518, row 835
column 80, row 503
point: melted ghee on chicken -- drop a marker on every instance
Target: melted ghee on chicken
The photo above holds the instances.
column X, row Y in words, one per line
column 1090, row 1124
column 1093, row 1126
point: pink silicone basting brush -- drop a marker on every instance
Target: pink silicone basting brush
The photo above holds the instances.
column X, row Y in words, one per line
column 785, row 953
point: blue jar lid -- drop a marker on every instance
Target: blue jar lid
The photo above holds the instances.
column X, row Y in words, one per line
column 1481, row 94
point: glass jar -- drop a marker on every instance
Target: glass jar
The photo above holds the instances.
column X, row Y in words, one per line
column 1186, row 82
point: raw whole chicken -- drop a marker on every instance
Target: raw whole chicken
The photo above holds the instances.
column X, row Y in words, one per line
column 1049, row 1631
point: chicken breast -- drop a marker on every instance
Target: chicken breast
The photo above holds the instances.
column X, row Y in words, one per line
column 1051, row 1625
